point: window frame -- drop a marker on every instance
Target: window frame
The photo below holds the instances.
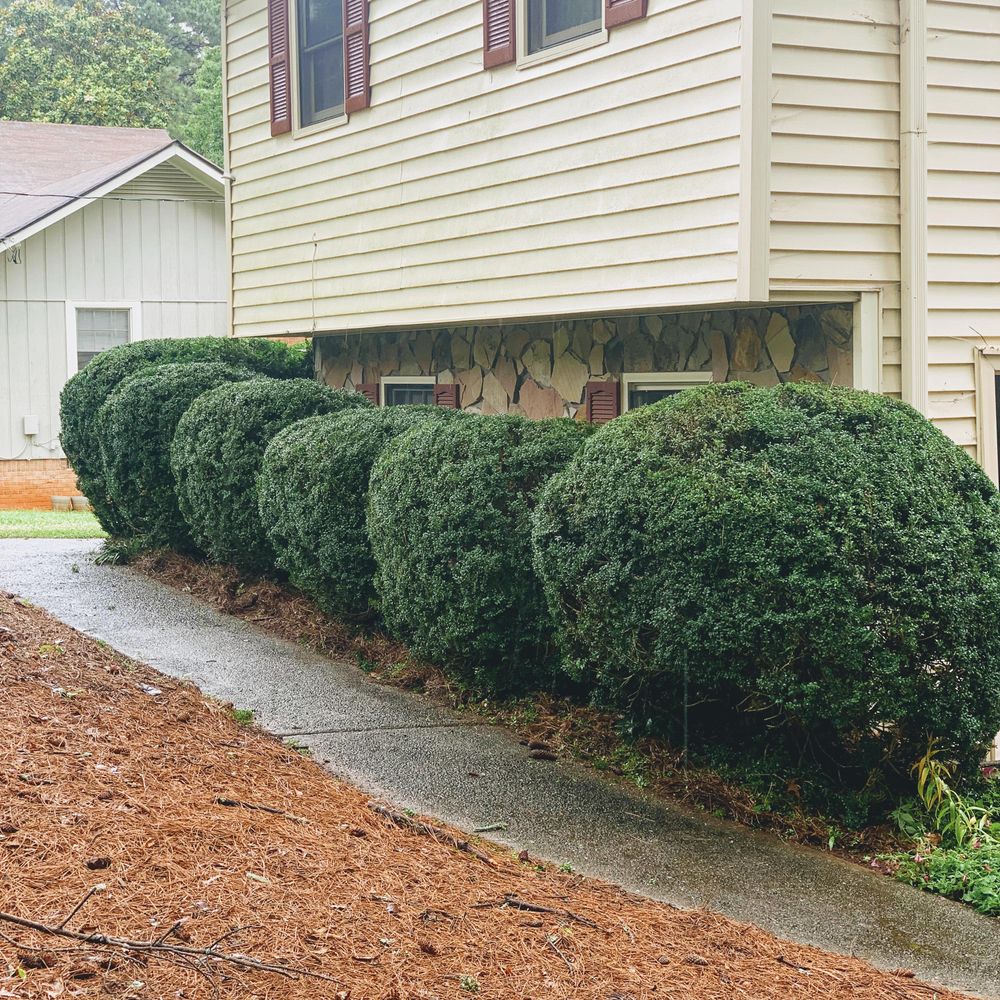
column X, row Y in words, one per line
column 659, row 380
column 580, row 43
column 387, row 381
column 72, row 339
column 334, row 118
column 987, row 371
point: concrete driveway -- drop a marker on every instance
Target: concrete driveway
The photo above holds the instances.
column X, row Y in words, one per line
column 420, row 756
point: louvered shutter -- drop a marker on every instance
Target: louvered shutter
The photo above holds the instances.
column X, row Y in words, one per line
column 499, row 44
column 620, row 11
column 369, row 389
column 356, row 86
column 447, row 395
column 603, row 402
column 279, row 64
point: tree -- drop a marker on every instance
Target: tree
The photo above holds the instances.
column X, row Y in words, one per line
column 84, row 64
column 202, row 127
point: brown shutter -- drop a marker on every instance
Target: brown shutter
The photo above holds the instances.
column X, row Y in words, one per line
column 279, row 60
column 603, row 402
column 620, row 11
column 499, row 36
column 356, row 86
column 369, row 389
column 447, row 395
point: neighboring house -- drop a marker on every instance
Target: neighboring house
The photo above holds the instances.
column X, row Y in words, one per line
column 107, row 235
column 576, row 206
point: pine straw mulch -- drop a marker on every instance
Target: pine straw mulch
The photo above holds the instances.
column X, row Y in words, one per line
column 553, row 724
column 113, row 775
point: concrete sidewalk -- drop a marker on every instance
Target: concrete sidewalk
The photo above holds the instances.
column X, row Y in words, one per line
column 423, row 757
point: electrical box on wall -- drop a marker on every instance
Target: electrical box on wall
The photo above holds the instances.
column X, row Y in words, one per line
column 30, row 425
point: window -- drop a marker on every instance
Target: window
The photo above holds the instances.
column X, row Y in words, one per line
column 641, row 389
column 98, row 330
column 402, row 390
column 320, row 38
column 552, row 22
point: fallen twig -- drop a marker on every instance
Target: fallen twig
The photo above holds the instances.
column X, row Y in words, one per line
column 519, row 904
column 236, row 803
column 161, row 949
column 434, row 832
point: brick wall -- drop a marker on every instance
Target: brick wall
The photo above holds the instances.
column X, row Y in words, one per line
column 30, row 485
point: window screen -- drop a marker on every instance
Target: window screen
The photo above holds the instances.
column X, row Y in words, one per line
column 98, row 330
column 404, row 395
column 552, row 22
column 639, row 396
column 320, row 29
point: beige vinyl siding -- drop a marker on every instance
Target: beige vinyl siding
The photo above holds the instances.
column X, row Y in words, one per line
column 963, row 210
column 167, row 256
column 835, row 154
column 601, row 181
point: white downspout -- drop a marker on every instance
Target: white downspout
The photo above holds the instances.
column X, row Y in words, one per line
column 913, row 199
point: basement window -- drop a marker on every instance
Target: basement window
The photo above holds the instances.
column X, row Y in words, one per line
column 643, row 388
column 555, row 22
column 407, row 390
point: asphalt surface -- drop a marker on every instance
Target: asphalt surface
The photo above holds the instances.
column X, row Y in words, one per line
column 434, row 761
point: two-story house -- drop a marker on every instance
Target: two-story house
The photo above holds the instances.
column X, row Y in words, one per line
column 575, row 206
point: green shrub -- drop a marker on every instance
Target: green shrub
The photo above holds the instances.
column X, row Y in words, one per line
column 821, row 566
column 449, row 515
column 312, row 490
column 216, row 456
column 970, row 875
column 134, row 429
column 85, row 393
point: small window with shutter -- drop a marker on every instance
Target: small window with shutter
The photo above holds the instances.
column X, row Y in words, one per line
column 643, row 388
column 319, row 31
column 407, row 390
column 553, row 22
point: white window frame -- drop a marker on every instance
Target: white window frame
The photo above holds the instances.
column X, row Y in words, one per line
column 526, row 59
column 987, row 369
column 388, row 380
column 134, row 327
column 299, row 128
column 660, row 380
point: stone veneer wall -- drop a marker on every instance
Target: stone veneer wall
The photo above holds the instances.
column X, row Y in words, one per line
column 540, row 369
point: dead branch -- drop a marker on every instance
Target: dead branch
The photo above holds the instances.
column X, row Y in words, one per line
column 520, row 904
column 237, row 804
column 434, row 832
column 159, row 948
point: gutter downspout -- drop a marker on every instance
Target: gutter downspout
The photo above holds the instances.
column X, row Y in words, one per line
column 913, row 200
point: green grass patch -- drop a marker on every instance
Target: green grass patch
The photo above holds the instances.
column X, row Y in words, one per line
column 49, row 524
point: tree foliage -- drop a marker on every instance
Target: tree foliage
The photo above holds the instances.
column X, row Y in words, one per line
column 84, row 64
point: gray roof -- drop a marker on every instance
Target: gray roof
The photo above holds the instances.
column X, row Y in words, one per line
column 44, row 167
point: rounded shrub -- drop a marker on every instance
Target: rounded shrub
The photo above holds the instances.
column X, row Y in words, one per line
column 449, row 518
column 312, row 492
column 134, row 429
column 84, row 394
column 217, row 452
column 811, row 566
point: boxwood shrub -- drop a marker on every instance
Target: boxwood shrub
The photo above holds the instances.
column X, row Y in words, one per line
column 85, row 393
column 312, row 491
column 820, row 566
column 134, row 429
column 449, row 518
column 217, row 452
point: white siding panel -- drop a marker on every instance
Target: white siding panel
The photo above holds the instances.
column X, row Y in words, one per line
column 963, row 186
column 835, row 153
column 607, row 179
column 116, row 249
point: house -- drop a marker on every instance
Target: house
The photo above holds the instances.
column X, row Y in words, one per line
column 577, row 206
column 107, row 235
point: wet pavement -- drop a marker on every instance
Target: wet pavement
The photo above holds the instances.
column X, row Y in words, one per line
column 426, row 758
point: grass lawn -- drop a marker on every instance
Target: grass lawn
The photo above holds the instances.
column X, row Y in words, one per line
column 49, row 524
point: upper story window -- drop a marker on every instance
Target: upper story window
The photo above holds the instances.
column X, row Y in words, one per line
column 553, row 22
column 320, row 43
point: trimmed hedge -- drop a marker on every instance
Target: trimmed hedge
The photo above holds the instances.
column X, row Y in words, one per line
column 312, row 492
column 449, row 518
column 85, row 393
column 134, row 429
column 821, row 565
column 217, row 452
